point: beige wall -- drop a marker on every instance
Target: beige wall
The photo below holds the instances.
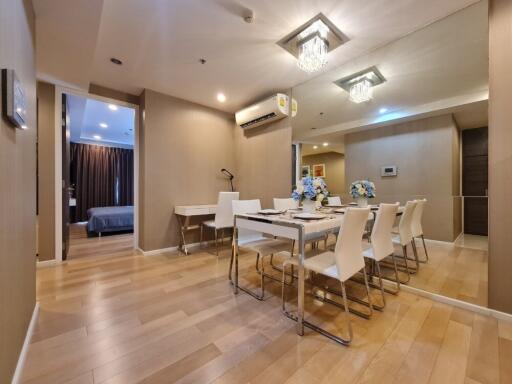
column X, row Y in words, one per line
column 264, row 162
column 17, row 189
column 500, row 155
column 183, row 146
column 334, row 170
column 423, row 151
column 98, row 90
column 46, row 181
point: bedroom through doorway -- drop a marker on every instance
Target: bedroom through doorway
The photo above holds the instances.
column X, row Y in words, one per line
column 98, row 176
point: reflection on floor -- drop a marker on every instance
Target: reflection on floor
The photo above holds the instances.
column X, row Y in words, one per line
column 473, row 241
column 453, row 271
column 82, row 246
column 119, row 317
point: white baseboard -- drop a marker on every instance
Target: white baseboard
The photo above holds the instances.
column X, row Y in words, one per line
column 47, row 263
column 171, row 249
column 450, row 243
column 457, row 303
column 24, row 350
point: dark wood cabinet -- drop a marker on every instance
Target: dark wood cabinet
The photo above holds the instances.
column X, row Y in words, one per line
column 475, row 180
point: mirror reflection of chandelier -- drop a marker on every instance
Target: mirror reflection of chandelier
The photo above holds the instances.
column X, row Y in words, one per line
column 361, row 91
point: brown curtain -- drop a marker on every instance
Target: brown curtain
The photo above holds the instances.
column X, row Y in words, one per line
column 103, row 177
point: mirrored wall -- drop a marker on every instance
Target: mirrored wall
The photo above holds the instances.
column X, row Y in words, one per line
column 422, row 134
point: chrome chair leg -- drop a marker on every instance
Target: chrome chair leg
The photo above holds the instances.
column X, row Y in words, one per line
column 338, row 339
column 377, row 265
column 201, row 231
column 424, row 246
column 415, row 253
column 216, row 243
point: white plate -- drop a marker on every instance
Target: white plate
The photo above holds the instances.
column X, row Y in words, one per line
column 341, row 210
column 270, row 212
column 309, row 216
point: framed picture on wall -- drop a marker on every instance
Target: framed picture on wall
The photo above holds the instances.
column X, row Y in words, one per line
column 305, row 171
column 14, row 101
column 319, row 170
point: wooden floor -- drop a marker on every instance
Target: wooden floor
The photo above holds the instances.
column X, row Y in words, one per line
column 457, row 272
column 119, row 317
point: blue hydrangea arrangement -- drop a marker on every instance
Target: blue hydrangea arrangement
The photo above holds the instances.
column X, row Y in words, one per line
column 362, row 188
column 310, row 188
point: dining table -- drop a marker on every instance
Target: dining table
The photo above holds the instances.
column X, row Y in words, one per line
column 289, row 225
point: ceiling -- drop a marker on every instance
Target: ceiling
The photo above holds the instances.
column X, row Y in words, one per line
column 161, row 42
column 316, row 149
column 436, row 70
column 86, row 115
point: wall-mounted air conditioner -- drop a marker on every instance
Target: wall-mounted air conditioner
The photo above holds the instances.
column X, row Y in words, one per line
column 274, row 108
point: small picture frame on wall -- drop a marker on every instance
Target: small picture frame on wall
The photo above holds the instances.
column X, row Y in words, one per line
column 14, row 106
column 305, row 171
column 319, row 170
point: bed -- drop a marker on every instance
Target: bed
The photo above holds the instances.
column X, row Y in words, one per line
column 110, row 219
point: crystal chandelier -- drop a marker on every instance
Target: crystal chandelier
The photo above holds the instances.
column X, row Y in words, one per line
column 361, row 91
column 313, row 47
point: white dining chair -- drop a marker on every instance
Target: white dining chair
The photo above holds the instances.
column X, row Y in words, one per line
column 285, row 204
column 223, row 217
column 417, row 228
column 334, row 200
column 381, row 245
column 346, row 261
column 256, row 241
column 403, row 237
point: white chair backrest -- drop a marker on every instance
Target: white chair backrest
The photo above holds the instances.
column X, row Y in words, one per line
column 382, row 240
column 224, row 213
column 417, row 229
column 404, row 227
column 285, row 204
column 334, row 200
column 348, row 253
column 247, row 206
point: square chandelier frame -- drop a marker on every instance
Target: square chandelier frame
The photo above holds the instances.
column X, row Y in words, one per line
column 371, row 74
column 334, row 37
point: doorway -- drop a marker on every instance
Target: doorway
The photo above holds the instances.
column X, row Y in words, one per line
column 98, row 164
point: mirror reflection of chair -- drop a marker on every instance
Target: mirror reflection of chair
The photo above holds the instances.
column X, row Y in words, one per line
column 255, row 241
column 285, row 204
column 417, row 228
column 223, row 218
column 403, row 237
column 346, row 261
column 381, row 245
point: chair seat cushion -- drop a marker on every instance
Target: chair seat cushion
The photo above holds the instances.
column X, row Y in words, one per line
column 322, row 263
column 211, row 224
column 268, row 246
column 368, row 251
column 396, row 239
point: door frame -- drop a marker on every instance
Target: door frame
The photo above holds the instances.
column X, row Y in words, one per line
column 59, row 90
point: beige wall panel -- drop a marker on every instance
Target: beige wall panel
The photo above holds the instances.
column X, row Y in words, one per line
column 46, row 154
column 183, row 146
column 500, row 155
column 423, row 152
column 264, row 162
column 17, row 189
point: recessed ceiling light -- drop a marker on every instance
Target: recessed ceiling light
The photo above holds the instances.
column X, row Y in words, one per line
column 315, row 146
column 325, row 144
column 383, row 110
column 221, row 97
column 313, row 128
column 103, row 125
column 97, row 137
column 112, row 107
column 116, row 61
